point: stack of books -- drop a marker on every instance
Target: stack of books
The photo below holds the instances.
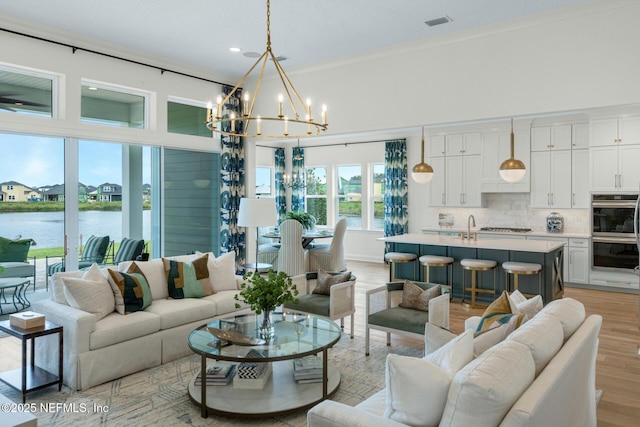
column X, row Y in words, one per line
column 307, row 369
column 217, row 374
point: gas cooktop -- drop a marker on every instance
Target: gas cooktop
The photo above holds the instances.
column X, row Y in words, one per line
column 506, row 229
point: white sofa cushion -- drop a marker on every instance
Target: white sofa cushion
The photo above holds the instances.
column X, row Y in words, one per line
column 482, row 392
column 57, row 286
column 543, row 335
column 92, row 296
column 417, row 388
column 116, row 328
column 416, row 391
column 568, row 311
column 179, row 312
column 225, row 302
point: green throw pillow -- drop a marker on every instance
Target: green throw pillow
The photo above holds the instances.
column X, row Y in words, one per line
column 131, row 290
column 188, row 279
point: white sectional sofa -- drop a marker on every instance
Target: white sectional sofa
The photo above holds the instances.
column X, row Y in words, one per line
column 541, row 374
column 97, row 351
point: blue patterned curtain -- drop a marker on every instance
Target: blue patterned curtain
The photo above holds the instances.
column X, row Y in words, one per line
column 232, row 186
column 395, row 188
column 297, row 169
column 281, row 191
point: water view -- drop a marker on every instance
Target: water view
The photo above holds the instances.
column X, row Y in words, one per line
column 47, row 228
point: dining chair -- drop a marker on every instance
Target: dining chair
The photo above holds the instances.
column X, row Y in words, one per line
column 292, row 258
column 330, row 257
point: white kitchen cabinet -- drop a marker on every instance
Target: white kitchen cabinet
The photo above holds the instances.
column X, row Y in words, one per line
column 546, row 138
column 580, row 136
column 614, row 168
column 463, row 144
column 435, row 146
column 496, row 148
column 615, row 131
column 580, row 196
column 462, row 181
column 437, row 188
column 551, row 179
column 578, row 268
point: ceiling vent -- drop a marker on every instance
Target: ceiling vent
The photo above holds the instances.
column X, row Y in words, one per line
column 438, row 21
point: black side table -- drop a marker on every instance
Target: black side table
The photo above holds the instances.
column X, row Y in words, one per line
column 30, row 377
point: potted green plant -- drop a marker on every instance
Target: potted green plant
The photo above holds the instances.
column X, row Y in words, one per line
column 307, row 220
column 263, row 293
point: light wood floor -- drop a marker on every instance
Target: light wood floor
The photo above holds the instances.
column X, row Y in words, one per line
column 618, row 362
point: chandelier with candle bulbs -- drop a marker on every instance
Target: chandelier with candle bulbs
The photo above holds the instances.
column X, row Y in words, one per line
column 294, row 119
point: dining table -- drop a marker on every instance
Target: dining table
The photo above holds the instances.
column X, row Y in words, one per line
column 308, row 236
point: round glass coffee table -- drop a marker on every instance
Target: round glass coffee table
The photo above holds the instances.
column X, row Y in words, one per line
column 296, row 336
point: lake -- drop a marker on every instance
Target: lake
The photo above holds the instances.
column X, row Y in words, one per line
column 47, row 228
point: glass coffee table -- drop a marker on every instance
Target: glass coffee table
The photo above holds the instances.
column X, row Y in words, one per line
column 296, row 336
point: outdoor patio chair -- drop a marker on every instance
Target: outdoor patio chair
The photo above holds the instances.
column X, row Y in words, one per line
column 128, row 250
column 14, row 259
column 94, row 250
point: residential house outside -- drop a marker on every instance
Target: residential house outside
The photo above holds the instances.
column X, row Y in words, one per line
column 55, row 192
column 109, row 193
column 12, row 191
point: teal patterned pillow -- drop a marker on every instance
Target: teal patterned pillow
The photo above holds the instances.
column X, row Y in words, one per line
column 188, row 279
column 131, row 290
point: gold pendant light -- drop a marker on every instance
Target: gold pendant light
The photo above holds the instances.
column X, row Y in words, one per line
column 422, row 172
column 512, row 169
column 279, row 125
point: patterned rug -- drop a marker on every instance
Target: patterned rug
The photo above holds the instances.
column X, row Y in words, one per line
column 158, row 396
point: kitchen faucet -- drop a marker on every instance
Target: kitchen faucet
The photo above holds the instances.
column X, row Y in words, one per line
column 469, row 220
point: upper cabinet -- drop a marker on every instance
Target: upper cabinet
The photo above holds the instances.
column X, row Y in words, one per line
column 548, row 138
column 614, row 154
column 496, row 148
column 463, row 144
column 436, row 146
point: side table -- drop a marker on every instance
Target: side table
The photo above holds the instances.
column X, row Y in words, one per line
column 29, row 377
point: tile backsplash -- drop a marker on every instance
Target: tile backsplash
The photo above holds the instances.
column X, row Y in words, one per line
column 513, row 210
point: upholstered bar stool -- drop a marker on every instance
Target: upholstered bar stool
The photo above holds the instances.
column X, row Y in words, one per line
column 437, row 261
column 396, row 257
column 518, row 268
column 475, row 265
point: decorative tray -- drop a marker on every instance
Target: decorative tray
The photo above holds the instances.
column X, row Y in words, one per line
column 234, row 337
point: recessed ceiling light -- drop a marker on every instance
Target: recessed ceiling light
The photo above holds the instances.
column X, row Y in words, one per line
column 251, row 54
column 235, row 49
column 92, row 88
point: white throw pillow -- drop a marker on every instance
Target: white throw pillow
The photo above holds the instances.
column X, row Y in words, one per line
column 222, row 271
column 94, row 297
column 483, row 391
column 57, row 286
column 416, row 391
column 455, row 354
column 568, row 311
column 530, row 306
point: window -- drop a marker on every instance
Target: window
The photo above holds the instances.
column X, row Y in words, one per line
column 264, row 185
column 316, row 194
column 12, row 197
column 112, row 107
column 377, row 196
column 349, row 195
column 9, row 187
column 26, row 92
column 187, row 119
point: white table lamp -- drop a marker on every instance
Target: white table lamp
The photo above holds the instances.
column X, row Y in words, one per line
column 257, row 213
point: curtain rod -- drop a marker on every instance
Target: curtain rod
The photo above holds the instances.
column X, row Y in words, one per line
column 335, row 145
column 75, row 48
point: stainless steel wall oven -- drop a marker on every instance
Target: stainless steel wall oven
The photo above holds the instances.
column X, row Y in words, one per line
column 612, row 231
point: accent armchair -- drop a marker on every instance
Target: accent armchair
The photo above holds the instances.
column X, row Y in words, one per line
column 339, row 304
column 388, row 316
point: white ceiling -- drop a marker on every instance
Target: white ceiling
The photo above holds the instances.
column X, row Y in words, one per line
column 307, row 32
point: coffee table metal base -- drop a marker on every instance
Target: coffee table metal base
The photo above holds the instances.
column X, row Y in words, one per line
column 281, row 395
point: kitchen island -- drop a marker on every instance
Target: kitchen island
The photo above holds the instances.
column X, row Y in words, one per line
column 549, row 254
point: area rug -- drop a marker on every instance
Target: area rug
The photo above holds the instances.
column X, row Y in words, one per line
column 158, row 396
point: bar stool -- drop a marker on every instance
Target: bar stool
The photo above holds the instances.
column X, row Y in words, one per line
column 518, row 268
column 396, row 257
column 475, row 265
column 437, row 261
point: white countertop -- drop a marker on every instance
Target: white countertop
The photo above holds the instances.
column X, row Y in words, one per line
column 544, row 246
column 506, row 233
